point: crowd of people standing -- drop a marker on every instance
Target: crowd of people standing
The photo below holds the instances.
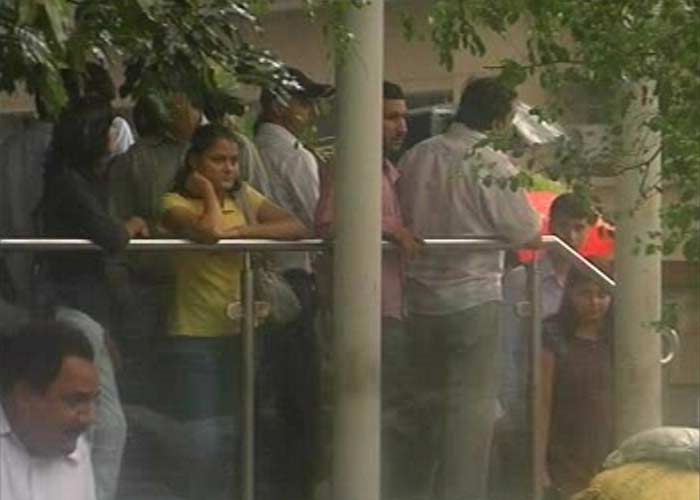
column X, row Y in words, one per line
column 448, row 338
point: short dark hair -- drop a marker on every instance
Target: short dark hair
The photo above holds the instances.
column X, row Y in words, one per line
column 571, row 206
column 36, row 352
column 151, row 116
column 94, row 83
column 484, row 101
column 392, row 90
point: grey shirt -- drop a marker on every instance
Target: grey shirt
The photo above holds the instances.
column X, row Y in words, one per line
column 140, row 177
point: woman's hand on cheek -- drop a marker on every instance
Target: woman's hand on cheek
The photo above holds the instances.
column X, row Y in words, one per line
column 198, row 185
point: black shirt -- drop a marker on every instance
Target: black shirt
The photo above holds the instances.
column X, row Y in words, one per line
column 75, row 206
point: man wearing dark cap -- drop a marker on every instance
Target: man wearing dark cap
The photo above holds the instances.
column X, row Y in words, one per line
column 292, row 169
column 289, row 176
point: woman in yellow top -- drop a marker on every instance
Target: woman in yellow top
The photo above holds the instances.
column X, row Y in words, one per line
column 201, row 359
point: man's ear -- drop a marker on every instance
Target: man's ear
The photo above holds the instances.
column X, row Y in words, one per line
column 25, row 396
column 278, row 110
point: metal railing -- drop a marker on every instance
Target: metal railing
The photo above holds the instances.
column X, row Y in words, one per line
column 248, row 323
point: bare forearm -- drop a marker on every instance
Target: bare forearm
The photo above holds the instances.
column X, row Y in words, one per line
column 281, row 230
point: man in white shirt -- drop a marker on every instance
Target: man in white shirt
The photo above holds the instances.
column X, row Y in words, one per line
column 290, row 174
column 48, row 385
column 456, row 185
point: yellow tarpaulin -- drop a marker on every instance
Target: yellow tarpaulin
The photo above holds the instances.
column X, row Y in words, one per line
column 643, row 481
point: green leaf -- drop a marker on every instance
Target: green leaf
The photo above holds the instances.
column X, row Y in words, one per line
column 512, row 73
column 60, row 18
column 27, row 11
column 408, row 26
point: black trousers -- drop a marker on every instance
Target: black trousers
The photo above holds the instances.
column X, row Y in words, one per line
column 289, row 400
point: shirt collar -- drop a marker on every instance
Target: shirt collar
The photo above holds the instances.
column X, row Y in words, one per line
column 391, row 172
column 279, row 132
column 229, row 204
column 460, row 131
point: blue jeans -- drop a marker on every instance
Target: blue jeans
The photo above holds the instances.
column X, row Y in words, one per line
column 199, row 380
column 199, row 377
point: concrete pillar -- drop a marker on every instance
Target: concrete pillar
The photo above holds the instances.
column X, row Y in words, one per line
column 638, row 276
column 357, row 258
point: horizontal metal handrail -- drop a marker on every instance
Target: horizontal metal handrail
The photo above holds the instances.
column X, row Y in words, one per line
column 160, row 244
column 156, row 245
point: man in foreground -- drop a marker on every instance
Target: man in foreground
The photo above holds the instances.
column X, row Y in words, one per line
column 48, row 386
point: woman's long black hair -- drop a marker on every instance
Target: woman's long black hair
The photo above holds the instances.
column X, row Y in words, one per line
column 80, row 138
column 204, row 137
column 565, row 317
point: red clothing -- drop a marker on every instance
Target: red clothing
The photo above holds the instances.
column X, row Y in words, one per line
column 392, row 291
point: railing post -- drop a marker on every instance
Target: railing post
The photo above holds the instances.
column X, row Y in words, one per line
column 537, row 447
column 248, row 381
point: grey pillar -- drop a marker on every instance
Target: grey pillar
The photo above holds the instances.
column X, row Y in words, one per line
column 638, row 276
column 357, row 259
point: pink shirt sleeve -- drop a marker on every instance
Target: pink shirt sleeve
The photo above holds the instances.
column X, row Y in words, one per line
column 323, row 217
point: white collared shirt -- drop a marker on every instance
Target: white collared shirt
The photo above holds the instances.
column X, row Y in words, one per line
column 24, row 477
column 290, row 179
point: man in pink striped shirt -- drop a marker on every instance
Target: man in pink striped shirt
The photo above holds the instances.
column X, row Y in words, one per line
column 395, row 368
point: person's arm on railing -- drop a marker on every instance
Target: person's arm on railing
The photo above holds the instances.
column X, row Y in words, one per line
column 409, row 244
column 272, row 222
column 534, row 243
column 206, row 227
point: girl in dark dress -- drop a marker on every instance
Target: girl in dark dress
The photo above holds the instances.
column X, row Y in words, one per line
column 578, row 383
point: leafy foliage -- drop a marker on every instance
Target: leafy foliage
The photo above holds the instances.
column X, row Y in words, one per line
column 598, row 47
column 195, row 46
